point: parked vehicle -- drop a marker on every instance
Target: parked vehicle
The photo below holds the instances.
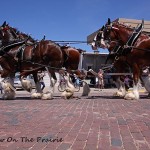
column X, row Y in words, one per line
column 17, row 82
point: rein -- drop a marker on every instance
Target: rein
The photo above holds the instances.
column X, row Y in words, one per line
column 119, row 50
column 143, row 49
column 39, row 64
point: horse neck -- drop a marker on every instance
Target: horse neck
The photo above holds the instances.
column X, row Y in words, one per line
column 123, row 32
column 21, row 36
column 24, row 36
column 143, row 37
column 13, row 32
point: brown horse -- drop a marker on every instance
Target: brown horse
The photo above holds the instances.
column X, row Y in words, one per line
column 71, row 55
column 136, row 54
column 117, row 62
column 35, row 56
column 72, row 59
column 29, row 59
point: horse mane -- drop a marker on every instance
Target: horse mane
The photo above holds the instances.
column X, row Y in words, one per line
column 81, row 50
column 19, row 33
column 129, row 27
column 124, row 25
column 78, row 49
column 65, row 46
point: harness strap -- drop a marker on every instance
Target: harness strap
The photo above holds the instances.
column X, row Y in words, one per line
column 124, row 50
column 5, row 49
column 133, row 38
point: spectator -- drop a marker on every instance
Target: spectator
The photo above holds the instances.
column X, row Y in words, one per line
column 126, row 81
column 41, row 80
column 100, row 79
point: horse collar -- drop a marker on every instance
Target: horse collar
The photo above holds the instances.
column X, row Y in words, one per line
column 135, row 35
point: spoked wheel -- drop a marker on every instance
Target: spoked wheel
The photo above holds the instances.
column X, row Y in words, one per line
column 62, row 87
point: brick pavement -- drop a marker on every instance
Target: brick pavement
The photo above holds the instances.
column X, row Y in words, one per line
column 99, row 121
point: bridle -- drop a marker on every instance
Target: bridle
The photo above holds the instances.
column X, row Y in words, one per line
column 108, row 29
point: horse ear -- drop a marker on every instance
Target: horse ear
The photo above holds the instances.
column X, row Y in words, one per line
column 142, row 22
column 109, row 22
column 102, row 28
column 4, row 24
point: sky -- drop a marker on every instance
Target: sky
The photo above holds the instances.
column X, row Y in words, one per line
column 69, row 20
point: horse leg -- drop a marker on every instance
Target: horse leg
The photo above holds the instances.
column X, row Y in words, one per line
column 49, row 94
column 52, row 77
column 37, row 83
column 38, row 93
column 134, row 95
column 121, row 88
column 8, row 87
column 26, row 84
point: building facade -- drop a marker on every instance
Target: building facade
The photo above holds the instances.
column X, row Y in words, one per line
column 93, row 61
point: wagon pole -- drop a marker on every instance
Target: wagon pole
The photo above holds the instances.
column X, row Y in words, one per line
column 70, row 42
column 41, row 66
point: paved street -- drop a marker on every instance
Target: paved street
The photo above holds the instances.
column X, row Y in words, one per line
column 99, row 121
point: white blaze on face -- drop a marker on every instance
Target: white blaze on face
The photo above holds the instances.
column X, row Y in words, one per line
column 94, row 47
column 103, row 44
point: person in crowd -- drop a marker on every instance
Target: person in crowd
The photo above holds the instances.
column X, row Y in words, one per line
column 100, row 79
column 41, row 80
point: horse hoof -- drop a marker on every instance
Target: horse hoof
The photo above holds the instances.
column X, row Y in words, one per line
column 67, row 95
column 9, row 96
column 27, row 85
column 130, row 96
column 118, row 93
column 36, row 95
column 47, row 96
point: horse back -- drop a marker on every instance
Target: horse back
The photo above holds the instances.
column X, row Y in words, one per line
column 71, row 58
column 49, row 50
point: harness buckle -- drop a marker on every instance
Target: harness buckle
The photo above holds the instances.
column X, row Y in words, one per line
column 116, row 58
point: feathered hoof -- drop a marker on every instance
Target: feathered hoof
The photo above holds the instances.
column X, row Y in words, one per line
column 130, row 96
column 8, row 96
column 7, row 87
column 36, row 95
column 118, row 93
column 27, row 85
column 67, row 94
column 47, row 96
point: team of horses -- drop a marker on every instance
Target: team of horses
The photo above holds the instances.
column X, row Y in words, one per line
column 129, row 48
column 21, row 53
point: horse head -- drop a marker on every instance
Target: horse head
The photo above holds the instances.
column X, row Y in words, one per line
column 117, row 32
column 10, row 34
column 98, row 40
column 21, row 36
column 5, row 35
